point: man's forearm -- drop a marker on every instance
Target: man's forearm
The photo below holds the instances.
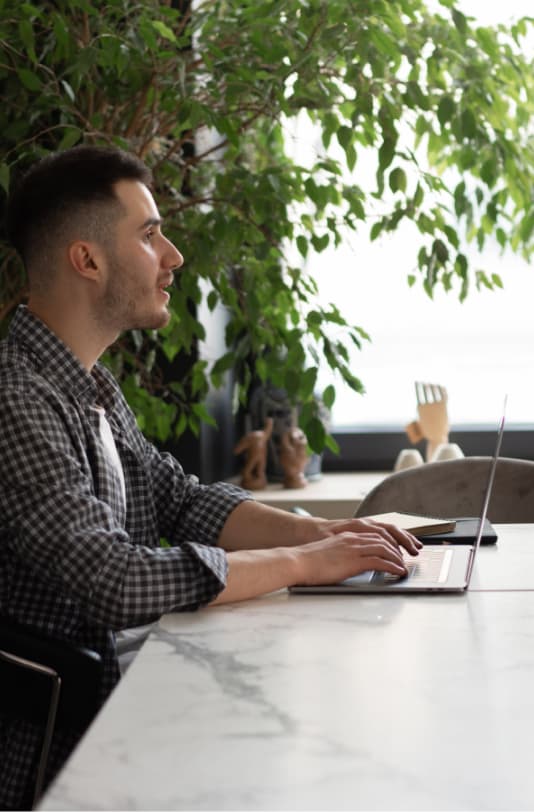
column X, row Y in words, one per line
column 257, row 572
column 253, row 526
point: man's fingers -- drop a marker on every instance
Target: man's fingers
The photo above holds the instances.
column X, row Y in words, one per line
column 371, row 546
column 411, row 543
column 383, row 565
column 397, row 536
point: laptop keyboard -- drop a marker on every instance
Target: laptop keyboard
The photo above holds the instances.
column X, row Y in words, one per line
column 430, row 565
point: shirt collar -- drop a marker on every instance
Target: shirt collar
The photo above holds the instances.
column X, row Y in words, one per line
column 55, row 361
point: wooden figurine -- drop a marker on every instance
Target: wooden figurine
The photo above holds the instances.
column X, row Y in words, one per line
column 293, row 457
column 433, row 423
column 254, row 445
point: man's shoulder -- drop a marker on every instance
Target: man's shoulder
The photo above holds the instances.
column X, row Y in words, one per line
column 19, row 377
column 14, row 364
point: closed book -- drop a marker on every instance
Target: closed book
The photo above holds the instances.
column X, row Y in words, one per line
column 415, row 524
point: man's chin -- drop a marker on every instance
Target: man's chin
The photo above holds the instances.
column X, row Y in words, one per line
column 156, row 322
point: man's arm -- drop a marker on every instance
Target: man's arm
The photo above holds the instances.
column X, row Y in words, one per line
column 270, row 549
column 59, row 528
column 253, row 525
column 256, row 572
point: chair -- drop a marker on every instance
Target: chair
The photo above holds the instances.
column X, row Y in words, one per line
column 48, row 682
column 456, row 488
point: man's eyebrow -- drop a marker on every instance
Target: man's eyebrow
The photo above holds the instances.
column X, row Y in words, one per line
column 151, row 221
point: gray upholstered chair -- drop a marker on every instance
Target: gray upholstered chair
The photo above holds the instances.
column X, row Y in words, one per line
column 456, row 488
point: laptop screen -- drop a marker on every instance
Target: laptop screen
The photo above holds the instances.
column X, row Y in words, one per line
column 487, row 496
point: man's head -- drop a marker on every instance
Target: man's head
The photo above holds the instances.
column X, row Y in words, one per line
column 67, row 196
column 89, row 232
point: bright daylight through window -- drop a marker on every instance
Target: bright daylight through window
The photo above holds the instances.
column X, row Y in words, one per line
column 479, row 349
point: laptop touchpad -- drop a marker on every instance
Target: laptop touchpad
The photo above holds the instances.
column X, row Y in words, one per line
column 362, row 578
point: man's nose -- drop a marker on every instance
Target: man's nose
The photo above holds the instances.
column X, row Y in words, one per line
column 174, row 258
column 179, row 261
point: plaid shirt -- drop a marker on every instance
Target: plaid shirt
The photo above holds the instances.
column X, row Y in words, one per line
column 75, row 562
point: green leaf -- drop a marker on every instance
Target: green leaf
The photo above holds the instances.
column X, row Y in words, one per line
column 345, row 136
column 29, row 79
column 501, row 237
column 460, row 266
column 526, row 229
column 61, row 31
column 460, row 200
column 315, row 434
column 200, row 411
column 351, row 157
column 397, row 180
column 223, row 364
column 329, row 396
column 415, row 97
column 418, row 196
column 306, row 385
column 459, row 20
column 440, row 250
column 446, row 110
column 181, row 425
column 386, row 153
column 376, row 230
column 469, row 124
column 302, row 245
column 320, row 243
column 164, row 30
column 71, row 137
column 212, row 300
column 332, row 444
column 27, row 37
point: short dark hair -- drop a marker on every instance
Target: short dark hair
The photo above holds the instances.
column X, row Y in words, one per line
column 68, row 194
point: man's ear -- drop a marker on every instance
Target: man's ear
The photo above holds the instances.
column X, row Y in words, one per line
column 85, row 259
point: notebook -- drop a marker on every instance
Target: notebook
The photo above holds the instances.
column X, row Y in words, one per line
column 417, row 525
column 437, row 568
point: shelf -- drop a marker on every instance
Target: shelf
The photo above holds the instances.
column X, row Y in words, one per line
column 334, row 496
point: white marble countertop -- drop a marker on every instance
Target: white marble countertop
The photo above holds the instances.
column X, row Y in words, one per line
column 327, row 702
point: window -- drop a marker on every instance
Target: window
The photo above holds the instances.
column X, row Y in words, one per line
column 479, row 349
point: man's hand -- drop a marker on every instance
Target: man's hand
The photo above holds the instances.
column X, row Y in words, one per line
column 347, row 553
column 387, row 532
column 332, row 550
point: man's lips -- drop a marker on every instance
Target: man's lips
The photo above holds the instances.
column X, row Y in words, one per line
column 163, row 285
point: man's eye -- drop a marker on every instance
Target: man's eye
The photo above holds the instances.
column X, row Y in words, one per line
column 149, row 235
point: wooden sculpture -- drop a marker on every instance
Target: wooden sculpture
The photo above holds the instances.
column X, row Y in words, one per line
column 433, row 423
column 254, row 446
column 293, row 457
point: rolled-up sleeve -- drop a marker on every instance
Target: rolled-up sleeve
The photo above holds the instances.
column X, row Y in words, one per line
column 58, row 528
column 186, row 509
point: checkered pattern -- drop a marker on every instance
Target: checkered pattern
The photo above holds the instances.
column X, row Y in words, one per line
column 73, row 562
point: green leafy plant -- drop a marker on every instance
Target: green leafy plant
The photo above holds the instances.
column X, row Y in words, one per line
column 205, row 94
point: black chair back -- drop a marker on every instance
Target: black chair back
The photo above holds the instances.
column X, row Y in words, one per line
column 27, row 694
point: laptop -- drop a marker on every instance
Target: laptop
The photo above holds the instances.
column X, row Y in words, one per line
column 437, row 568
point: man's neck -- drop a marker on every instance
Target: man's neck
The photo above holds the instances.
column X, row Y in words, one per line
column 75, row 329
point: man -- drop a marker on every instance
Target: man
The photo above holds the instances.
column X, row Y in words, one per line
column 84, row 498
